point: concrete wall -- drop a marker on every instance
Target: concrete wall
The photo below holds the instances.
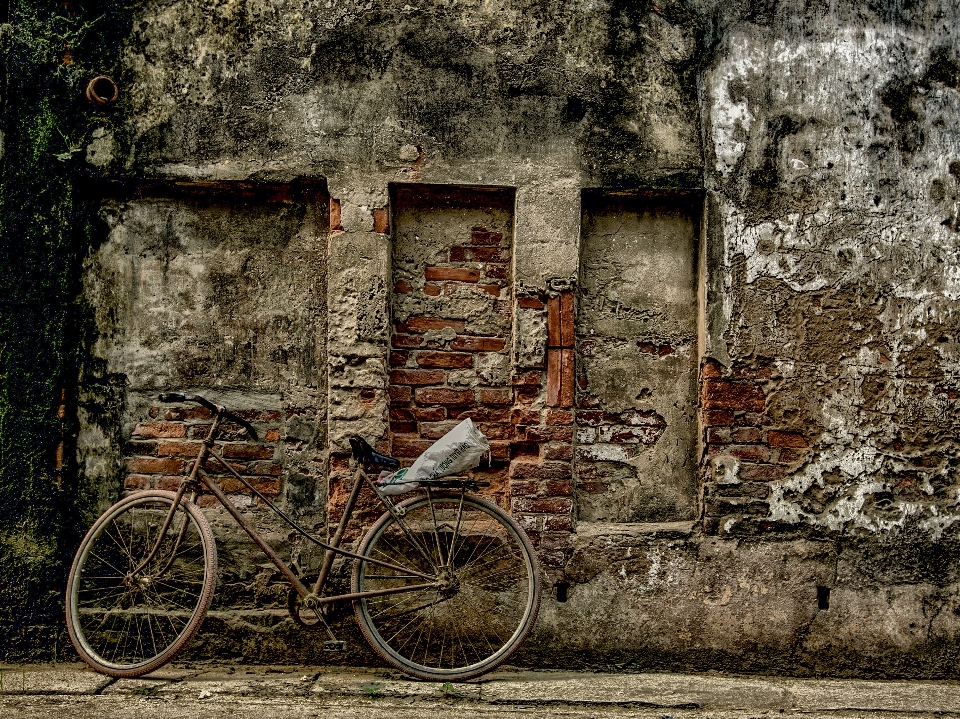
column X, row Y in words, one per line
column 783, row 495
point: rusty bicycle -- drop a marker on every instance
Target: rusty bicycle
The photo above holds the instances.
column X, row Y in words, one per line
column 445, row 584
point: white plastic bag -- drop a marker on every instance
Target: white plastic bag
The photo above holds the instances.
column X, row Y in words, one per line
column 459, row 449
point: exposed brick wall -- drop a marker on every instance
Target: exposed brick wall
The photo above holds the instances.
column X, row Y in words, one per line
column 164, row 444
column 541, row 470
column 441, row 363
column 744, row 449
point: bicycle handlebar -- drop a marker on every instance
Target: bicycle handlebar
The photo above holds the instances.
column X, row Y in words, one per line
column 203, row 402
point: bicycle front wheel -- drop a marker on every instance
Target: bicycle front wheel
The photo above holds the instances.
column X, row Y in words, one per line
column 125, row 619
column 472, row 587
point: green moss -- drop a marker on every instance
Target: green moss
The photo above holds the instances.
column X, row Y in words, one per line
column 50, row 50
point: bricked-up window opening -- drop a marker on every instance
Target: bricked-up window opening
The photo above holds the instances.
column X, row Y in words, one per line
column 216, row 288
column 636, row 358
column 452, row 317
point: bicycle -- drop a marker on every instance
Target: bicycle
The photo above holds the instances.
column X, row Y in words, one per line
column 445, row 585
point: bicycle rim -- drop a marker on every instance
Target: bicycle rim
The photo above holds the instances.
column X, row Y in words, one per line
column 486, row 606
column 125, row 622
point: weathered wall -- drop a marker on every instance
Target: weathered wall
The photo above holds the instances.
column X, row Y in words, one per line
column 799, row 378
column 637, row 360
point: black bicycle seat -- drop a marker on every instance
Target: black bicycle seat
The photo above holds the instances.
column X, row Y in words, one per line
column 364, row 454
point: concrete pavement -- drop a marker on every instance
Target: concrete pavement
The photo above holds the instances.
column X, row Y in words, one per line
column 258, row 692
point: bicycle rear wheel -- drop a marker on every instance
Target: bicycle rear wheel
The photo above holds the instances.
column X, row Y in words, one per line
column 124, row 620
column 487, row 591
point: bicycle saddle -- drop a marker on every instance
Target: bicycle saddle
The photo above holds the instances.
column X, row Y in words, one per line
column 363, row 453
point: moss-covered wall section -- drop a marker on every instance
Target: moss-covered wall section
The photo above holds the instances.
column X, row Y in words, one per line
column 49, row 52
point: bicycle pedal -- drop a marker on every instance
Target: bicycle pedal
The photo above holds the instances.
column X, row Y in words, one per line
column 334, row 646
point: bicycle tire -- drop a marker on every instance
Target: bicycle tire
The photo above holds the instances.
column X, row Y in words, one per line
column 481, row 617
column 125, row 624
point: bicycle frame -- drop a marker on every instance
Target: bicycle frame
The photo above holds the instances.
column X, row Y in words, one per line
column 198, row 482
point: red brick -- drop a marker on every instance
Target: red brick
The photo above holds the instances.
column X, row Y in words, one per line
column 711, row 369
column 500, row 451
column 559, row 416
column 381, row 221
column 592, row 417
column 410, row 447
column 531, row 378
column 154, row 465
column 179, row 449
column 566, row 319
column 335, row 215
column 260, row 415
column 398, row 358
column 747, row 435
column 496, row 272
column 480, row 236
column 482, row 413
column 142, row 449
column 776, row 438
column 530, row 303
column 170, row 483
column 158, row 430
column 717, row 417
column 401, row 415
column 403, row 287
column 478, row 344
column 232, row 485
column 559, row 488
column 432, row 290
column 789, row 456
column 549, row 434
column 456, row 360
column 559, row 523
column 199, row 431
column 269, row 487
column 540, row 470
column 496, row 431
column 417, row 376
column 496, row 396
column 551, row 505
column 525, row 416
column 752, row 419
column 428, row 414
column 207, row 500
column 454, row 274
column 425, row 324
column 523, row 489
column 721, row 394
column 403, row 427
column 718, row 435
column 136, row 482
column 247, row 451
column 406, row 341
column 400, row 394
column 554, row 332
column 749, row 452
column 272, row 435
column 567, row 358
column 493, row 290
column 442, row 395
column 558, row 451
